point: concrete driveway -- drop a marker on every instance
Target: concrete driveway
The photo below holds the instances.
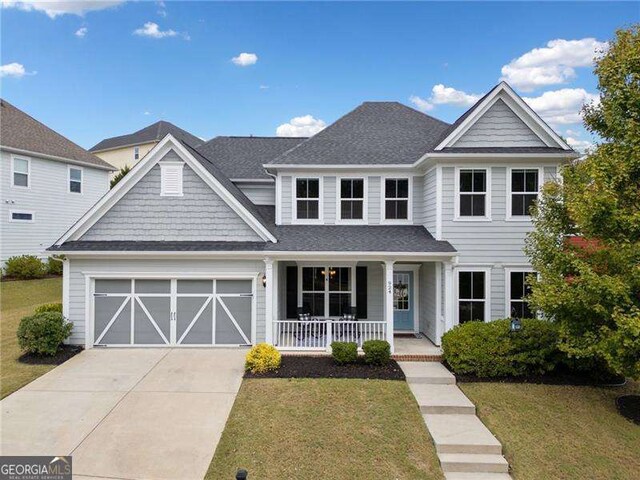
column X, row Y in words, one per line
column 127, row 413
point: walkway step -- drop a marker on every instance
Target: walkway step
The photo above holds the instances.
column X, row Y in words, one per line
column 461, row 434
column 441, row 399
column 472, row 462
column 476, row 476
column 427, row 372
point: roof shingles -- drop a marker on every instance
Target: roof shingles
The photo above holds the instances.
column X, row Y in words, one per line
column 152, row 133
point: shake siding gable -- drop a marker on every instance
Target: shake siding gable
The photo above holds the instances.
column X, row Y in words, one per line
column 143, row 214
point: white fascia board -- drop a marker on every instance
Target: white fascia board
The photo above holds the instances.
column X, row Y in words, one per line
column 350, row 166
column 45, row 156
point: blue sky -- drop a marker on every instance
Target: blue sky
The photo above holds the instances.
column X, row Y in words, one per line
column 92, row 72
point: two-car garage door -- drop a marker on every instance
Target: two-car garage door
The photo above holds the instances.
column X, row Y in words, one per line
column 177, row 311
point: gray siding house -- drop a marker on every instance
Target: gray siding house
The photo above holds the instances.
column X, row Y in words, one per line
column 47, row 183
column 388, row 221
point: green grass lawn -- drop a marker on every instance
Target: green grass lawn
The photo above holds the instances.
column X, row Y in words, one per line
column 18, row 299
column 560, row 432
column 325, row 428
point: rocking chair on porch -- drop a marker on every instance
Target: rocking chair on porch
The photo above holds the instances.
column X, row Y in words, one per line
column 348, row 331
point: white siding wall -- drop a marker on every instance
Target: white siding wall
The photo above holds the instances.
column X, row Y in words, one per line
column 54, row 207
column 429, row 201
column 428, row 300
column 259, row 193
column 130, row 267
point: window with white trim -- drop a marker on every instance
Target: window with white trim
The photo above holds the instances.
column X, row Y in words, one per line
column 519, row 290
column 307, row 198
column 351, row 198
column 401, row 300
column 21, row 172
column 471, row 296
column 136, row 153
column 524, row 191
column 326, row 291
column 21, row 216
column 472, row 193
column 171, row 180
column 75, row 180
column 396, row 199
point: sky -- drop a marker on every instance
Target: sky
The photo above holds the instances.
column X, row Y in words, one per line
column 92, row 70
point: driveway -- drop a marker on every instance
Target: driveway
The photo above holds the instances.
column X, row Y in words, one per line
column 127, row 413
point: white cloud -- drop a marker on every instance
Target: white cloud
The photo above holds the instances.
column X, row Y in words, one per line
column 572, row 133
column 15, row 70
column 553, row 64
column 561, row 107
column 304, row 126
column 245, row 59
column 162, row 9
column 264, row 87
column 441, row 95
column 81, row 32
column 579, row 145
column 54, row 8
column 152, row 30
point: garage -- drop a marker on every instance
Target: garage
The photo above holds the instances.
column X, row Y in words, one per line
column 173, row 311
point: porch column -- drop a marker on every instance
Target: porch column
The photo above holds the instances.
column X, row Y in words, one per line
column 388, row 300
column 268, row 272
column 448, row 296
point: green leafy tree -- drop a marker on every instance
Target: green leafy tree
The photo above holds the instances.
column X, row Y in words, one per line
column 120, row 175
column 586, row 241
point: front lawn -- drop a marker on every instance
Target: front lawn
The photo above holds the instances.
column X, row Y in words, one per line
column 325, row 428
column 559, row 432
column 17, row 300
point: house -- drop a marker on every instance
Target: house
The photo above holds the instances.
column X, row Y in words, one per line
column 48, row 182
column 128, row 150
column 387, row 221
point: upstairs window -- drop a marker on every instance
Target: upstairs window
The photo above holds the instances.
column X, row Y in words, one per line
column 21, row 172
column 136, row 153
column 396, row 199
column 75, row 180
column 519, row 290
column 524, row 191
column 352, row 199
column 307, row 198
column 16, row 216
column 171, row 182
column 472, row 296
column 473, row 193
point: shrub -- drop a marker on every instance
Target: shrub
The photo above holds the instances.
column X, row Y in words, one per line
column 43, row 333
column 54, row 267
column 376, row 352
column 492, row 350
column 344, row 352
column 49, row 307
column 262, row 358
column 25, row 267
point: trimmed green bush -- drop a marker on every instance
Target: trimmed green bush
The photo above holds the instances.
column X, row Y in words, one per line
column 262, row 358
column 49, row 307
column 344, row 352
column 376, row 352
column 492, row 350
column 54, row 267
column 43, row 333
column 25, row 267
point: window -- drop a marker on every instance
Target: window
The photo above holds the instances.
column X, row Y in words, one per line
column 75, row 180
column 307, row 198
column 524, row 190
column 401, row 300
column 21, row 172
column 352, row 198
column 473, row 193
column 313, row 290
column 519, row 289
column 171, row 180
column 471, row 296
column 136, row 153
column 396, row 199
column 21, row 216
column 326, row 291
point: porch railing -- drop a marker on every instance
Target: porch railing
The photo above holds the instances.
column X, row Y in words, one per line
column 318, row 334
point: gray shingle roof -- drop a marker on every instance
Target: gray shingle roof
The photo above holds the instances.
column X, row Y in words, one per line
column 374, row 133
column 243, row 157
column 153, row 133
column 20, row 131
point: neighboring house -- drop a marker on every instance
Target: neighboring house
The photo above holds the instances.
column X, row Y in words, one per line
column 47, row 183
column 131, row 148
column 407, row 222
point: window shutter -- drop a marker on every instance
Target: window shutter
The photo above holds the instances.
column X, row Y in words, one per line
column 292, row 292
column 361, row 292
column 171, row 183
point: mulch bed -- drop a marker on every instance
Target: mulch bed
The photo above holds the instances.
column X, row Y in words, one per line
column 64, row 354
column 325, row 367
column 629, row 407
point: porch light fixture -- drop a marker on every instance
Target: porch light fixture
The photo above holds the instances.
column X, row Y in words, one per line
column 264, row 280
column 516, row 325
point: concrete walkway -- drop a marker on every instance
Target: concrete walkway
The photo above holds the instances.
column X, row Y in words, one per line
column 127, row 413
column 466, row 448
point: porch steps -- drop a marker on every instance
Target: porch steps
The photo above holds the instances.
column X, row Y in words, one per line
column 466, row 448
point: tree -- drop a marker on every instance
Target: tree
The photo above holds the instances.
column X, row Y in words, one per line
column 586, row 240
column 120, row 175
